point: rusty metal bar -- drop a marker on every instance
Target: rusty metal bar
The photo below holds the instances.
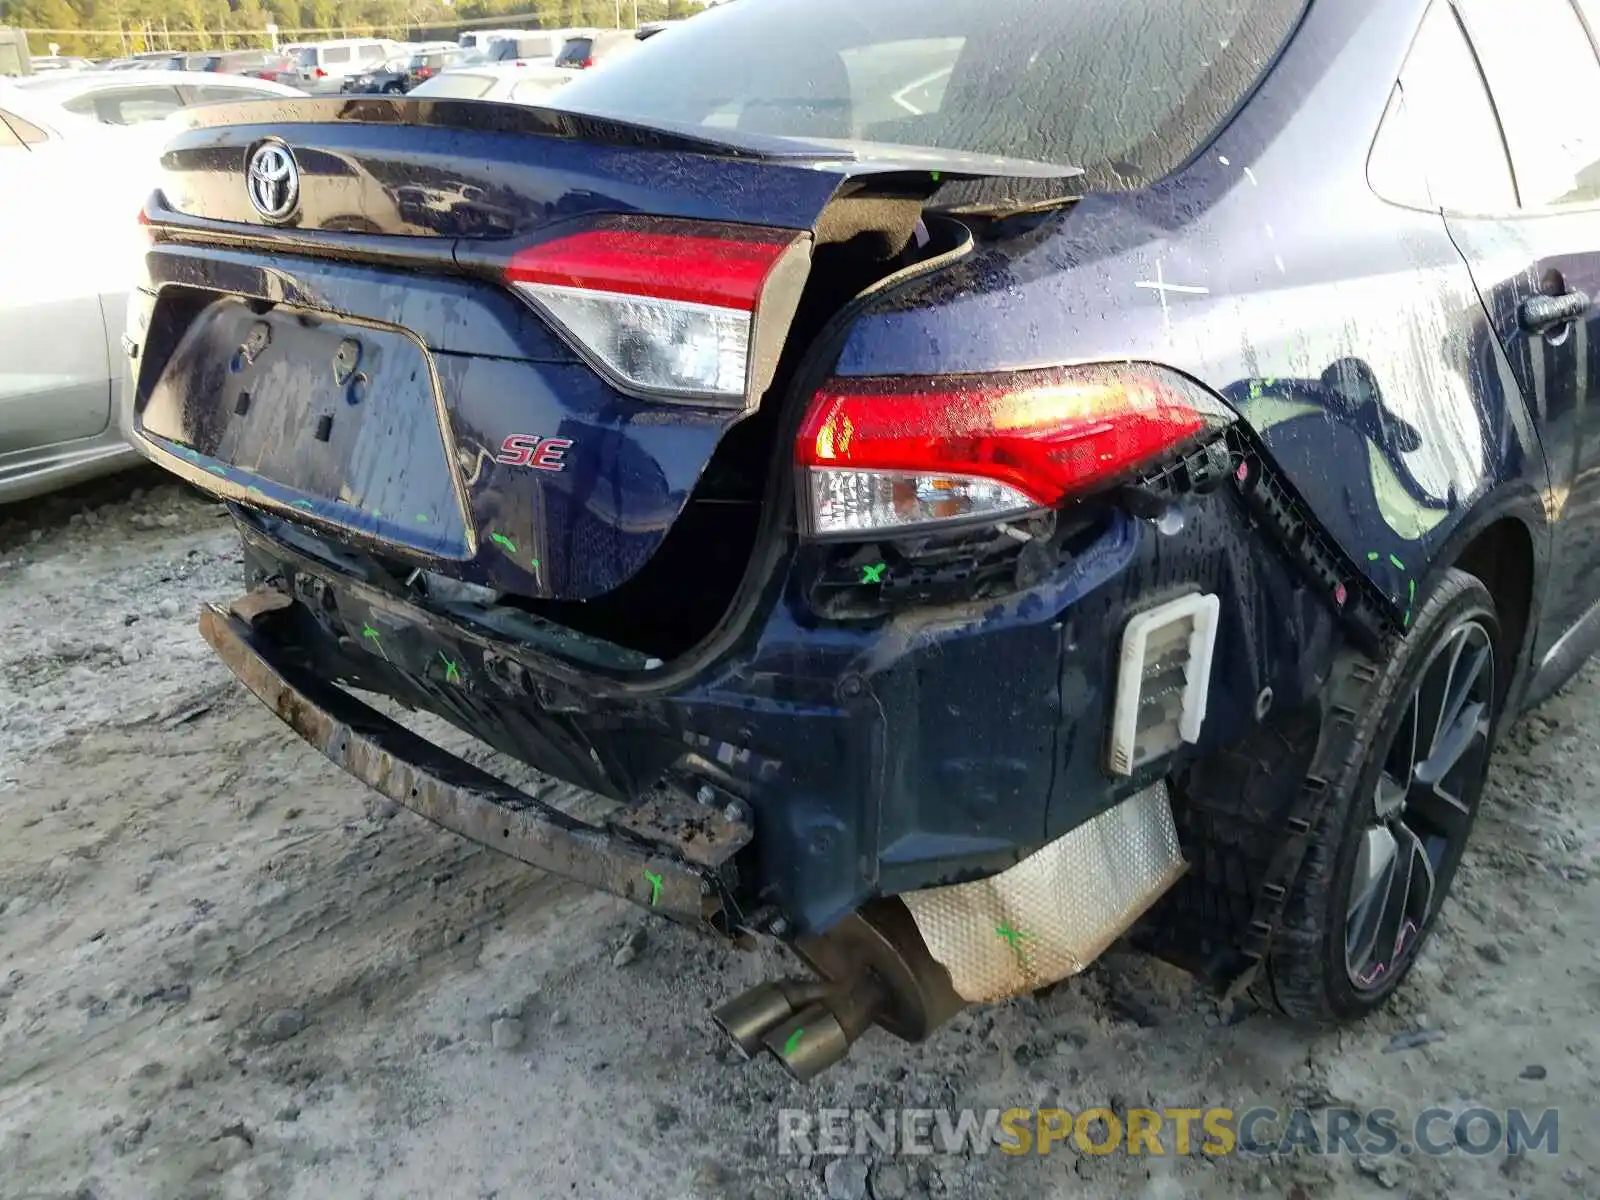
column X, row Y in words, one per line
column 453, row 793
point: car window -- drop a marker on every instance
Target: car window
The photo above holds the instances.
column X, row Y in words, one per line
column 306, row 57
column 900, row 79
column 1126, row 91
column 8, row 140
column 127, row 105
column 1440, row 145
column 1546, row 81
column 373, row 52
column 575, row 52
column 25, row 132
column 211, row 94
column 335, row 54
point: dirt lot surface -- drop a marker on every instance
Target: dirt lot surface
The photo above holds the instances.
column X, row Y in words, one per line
column 226, row 969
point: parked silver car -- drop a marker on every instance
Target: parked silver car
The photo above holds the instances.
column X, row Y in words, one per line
column 72, row 178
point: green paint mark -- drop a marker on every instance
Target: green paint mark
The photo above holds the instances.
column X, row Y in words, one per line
column 304, row 504
column 501, row 539
column 377, row 513
column 452, row 673
column 535, row 564
column 371, row 635
column 216, row 470
column 934, row 175
column 1372, row 556
column 874, row 574
column 792, row 1042
column 1013, row 937
column 422, row 518
column 654, row 881
column 1398, row 565
column 254, row 490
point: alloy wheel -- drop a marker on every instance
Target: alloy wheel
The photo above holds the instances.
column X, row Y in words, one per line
column 1421, row 807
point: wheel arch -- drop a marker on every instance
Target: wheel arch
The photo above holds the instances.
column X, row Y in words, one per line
column 1505, row 543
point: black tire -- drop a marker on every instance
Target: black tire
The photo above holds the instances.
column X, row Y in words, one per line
column 1313, row 973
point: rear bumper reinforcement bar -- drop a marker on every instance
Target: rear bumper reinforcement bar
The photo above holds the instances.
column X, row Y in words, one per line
column 446, row 789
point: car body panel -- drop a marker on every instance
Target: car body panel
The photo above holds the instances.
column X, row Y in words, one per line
column 943, row 742
column 1345, row 330
column 871, row 763
column 63, row 296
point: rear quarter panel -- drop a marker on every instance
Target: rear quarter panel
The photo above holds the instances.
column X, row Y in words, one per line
column 1346, row 331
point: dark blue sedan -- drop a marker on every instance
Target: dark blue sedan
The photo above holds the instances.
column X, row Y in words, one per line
column 942, row 483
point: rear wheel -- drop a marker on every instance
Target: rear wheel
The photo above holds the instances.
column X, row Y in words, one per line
column 1398, row 816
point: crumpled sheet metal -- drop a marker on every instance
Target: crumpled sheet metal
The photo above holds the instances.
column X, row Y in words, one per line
column 1057, row 910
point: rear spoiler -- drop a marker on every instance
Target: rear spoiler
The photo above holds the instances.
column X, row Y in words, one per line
column 916, row 169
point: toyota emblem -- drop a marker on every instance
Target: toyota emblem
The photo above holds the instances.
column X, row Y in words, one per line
column 273, row 181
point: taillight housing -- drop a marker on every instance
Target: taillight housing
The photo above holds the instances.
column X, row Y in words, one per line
column 670, row 309
column 895, row 454
column 320, row 73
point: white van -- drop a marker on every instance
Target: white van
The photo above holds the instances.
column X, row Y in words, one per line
column 324, row 66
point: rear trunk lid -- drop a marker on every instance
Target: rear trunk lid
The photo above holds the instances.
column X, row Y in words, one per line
column 499, row 343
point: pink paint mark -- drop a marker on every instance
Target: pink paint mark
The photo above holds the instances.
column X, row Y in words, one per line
column 1339, row 594
column 1406, row 931
column 1242, row 472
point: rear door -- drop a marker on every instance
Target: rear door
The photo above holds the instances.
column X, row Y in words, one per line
column 1538, row 268
column 55, row 377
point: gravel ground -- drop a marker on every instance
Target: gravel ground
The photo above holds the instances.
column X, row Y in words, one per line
column 227, row 969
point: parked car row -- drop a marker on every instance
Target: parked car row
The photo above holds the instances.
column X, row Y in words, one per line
column 378, row 65
column 405, row 71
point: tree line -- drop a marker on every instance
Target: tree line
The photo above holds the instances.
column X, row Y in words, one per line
column 101, row 28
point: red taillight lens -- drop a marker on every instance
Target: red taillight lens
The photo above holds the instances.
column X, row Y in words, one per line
column 658, row 308
column 321, row 74
column 694, row 268
column 588, row 62
column 887, row 453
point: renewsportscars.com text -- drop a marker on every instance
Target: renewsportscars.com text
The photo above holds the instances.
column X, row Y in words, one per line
column 1374, row 1132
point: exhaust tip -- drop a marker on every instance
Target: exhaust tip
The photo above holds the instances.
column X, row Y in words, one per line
column 750, row 1014
column 809, row 1042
